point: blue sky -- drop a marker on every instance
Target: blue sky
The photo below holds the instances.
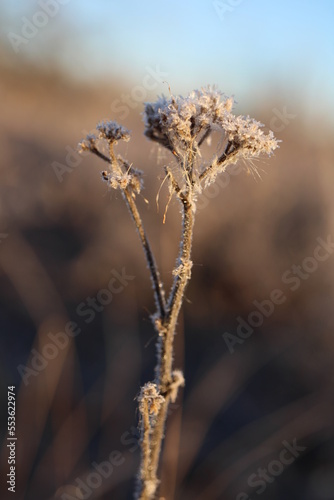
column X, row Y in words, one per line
column 246, row 47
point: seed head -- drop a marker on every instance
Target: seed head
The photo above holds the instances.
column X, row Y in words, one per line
column 112, row 131
column 181, row 124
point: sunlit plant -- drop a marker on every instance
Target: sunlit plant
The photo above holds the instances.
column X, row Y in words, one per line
column 182, row 125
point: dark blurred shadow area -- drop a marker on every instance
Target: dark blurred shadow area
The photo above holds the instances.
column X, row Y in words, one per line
column 256, row 337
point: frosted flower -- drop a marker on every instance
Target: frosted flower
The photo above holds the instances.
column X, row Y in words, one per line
column 87, row 144
column 245, row 135
column 123, row 178
column 177, row 122
column 181, row 124
column 121, row 174
column 112, row 131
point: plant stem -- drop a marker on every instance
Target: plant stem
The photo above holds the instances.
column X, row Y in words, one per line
column 166, row 338
column 145, row 444
column 156, row 281
column 228, row 151
column 157, row 437
column 157, row 284
column 176, row 296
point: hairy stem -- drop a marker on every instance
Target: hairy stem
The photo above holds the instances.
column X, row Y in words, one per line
column 157, row 284
column 182, row 276
column 166, row 339
column 158, row 436
column 145, row 443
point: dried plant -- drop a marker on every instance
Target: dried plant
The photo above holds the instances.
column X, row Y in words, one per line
column 182, row 126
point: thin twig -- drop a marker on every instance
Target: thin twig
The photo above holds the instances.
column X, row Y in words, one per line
column 204, row 136
column 227, row 153
column 156, row 281
column 100, row 155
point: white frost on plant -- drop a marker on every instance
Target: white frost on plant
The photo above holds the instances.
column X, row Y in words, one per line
column 112, row 131
column 181, row 124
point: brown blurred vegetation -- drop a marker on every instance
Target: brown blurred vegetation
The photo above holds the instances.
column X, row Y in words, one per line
column 64, row 239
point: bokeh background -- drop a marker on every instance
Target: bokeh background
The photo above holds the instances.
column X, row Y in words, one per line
column 64, row 66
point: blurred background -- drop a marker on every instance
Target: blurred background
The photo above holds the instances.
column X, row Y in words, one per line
column 77, row 353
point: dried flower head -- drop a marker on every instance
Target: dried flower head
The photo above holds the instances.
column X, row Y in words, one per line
column 126, row 178
column 177, row 122
column 245, row 136
column 181, row 124
column 112, row 131
column 87, row 144
column 121, row 175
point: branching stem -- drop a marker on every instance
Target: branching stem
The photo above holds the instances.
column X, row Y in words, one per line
column 166, row 340
column 181, row 125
